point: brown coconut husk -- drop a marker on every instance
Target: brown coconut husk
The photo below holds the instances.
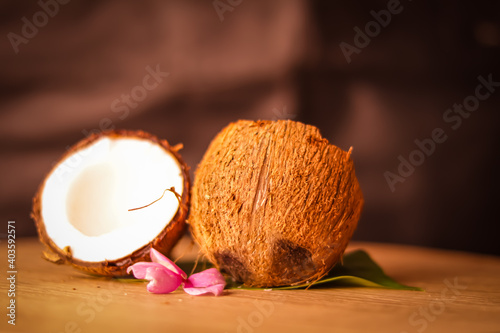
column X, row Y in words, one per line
column 165, row 240
column 274, row 203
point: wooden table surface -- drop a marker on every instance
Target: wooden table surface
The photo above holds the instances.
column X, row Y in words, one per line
column 462, row 294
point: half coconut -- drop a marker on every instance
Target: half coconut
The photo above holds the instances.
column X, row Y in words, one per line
column 110, row 199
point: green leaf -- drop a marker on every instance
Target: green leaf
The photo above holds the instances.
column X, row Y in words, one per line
column 358, row 270
column 129, row 279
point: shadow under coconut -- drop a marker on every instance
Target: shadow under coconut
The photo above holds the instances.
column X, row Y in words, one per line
column 357, row 269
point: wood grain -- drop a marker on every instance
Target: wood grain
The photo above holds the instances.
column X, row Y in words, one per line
column 462, row 294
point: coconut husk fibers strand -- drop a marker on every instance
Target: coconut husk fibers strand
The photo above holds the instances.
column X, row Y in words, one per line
column 274, row 203
column 163, row 242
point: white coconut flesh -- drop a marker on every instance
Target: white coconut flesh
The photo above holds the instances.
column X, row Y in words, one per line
column 86, row 199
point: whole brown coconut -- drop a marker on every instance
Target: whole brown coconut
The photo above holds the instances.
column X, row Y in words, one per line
column 65, row 230
column 273, row 203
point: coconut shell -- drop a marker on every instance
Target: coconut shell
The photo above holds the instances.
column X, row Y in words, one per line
column 274, row 203
column 165, row 240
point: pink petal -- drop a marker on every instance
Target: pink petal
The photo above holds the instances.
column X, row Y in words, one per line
column 161, row 259
column 162, row 280
column 206, row 278
column 209, row 281
column 216, row 290
column 139, row 269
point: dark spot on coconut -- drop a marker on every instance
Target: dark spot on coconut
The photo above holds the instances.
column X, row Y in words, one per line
column 291, row 262
column 231, row 265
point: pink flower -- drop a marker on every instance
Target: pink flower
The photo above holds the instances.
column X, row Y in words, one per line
column 165, row 277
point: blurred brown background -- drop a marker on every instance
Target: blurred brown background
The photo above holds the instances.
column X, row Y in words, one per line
column 70, row 72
